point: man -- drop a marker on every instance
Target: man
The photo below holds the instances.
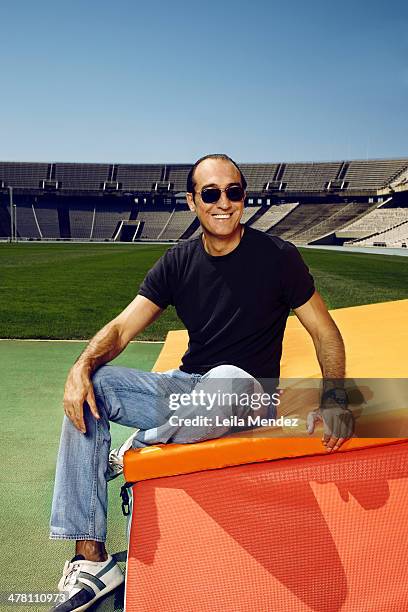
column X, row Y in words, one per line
column 233, row 288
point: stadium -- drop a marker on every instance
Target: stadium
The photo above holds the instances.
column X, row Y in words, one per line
column 359, row 203
column 97, row 99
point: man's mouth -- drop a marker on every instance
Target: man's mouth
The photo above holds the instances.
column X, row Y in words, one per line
column 223, row 216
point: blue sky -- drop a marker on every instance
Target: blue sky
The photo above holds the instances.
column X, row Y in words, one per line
column 168, row 82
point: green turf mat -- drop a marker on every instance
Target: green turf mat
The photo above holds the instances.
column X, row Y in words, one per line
column 72, row 290
column 31, row 390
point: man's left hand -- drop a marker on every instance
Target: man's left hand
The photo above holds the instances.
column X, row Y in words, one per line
column 338, row 422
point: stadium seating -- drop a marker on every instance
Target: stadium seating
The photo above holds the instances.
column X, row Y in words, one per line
column 4, row 221
column 371, row 174
column 177, row 224
column 107, row 219
column 177, row 175
column 301, row 218
column 27, row 226
column 81, row 176
column 272, row 216
column 48, row 222
column 258, row 175
column 339, row 219
column 153, row 223
column 23, row 174
column 333, row 217
column 140, row 176
column 249, row 212
column 378, row 220
column 330, row 196
column 81, row 220
column 393, row 237
column 309, row 176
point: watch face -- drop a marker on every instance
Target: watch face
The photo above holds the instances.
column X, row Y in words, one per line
column 338, row 395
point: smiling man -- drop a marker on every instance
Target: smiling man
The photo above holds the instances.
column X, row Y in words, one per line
column 233, row 287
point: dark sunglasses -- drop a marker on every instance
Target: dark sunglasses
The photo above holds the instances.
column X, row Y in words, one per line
column 210, row 195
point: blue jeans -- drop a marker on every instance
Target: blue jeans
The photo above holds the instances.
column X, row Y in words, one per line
column 140, row 400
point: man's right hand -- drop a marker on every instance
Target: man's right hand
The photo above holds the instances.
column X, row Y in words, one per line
column 78, row 389
column 103, row 347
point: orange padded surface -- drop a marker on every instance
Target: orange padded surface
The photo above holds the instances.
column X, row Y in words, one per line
column 313, row 534
column 172, row 459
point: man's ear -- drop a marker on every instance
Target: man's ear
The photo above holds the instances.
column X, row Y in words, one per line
column 190, row 201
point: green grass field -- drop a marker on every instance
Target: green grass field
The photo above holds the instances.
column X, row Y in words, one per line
column 72, row 290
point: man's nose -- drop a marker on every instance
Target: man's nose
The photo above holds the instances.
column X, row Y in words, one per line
column 224, row 202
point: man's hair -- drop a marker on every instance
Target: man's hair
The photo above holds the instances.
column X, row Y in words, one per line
column 190, row 177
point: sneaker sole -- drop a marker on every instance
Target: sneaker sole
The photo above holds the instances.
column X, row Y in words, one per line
column 100, row 594
column 112, row 475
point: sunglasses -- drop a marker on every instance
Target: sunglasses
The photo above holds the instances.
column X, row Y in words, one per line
column 210, row 195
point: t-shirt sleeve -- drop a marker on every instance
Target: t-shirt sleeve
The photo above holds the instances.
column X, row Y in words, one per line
column 297, row 282
column 157, row 284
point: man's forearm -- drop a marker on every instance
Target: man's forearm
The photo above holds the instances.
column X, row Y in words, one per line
column 116, row 335
column 331, row 355
column 329, row 346
column 103, row 347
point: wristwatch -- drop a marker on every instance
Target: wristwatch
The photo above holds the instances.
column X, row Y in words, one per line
column 338, row 395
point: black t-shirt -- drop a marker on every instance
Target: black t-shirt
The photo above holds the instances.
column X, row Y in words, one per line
column 234, row 306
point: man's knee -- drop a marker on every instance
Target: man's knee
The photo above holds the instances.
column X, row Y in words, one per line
column 227, row 371
column 235, row 379
column 100, row 379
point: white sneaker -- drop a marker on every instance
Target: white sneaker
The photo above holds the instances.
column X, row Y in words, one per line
column 83, row 582
column 115, row 461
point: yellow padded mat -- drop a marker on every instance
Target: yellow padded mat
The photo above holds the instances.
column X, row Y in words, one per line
column 375, row 337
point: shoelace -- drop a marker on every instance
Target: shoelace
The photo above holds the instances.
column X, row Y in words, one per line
column 115, row 459
column 69, row 575
column 116, row 454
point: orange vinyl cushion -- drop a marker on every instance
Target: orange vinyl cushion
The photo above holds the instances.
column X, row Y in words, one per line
column 312, row 534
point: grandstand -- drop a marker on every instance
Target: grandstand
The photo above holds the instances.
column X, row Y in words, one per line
column 153, row 222
column 107, row 219
column 393, row 237
column 177, row 225
column 272, row 215
column 360, row 202
column 376, row 221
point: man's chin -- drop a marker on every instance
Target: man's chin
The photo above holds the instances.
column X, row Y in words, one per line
column 222, row 231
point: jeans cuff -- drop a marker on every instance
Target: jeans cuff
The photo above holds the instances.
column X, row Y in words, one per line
column 54, row 536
